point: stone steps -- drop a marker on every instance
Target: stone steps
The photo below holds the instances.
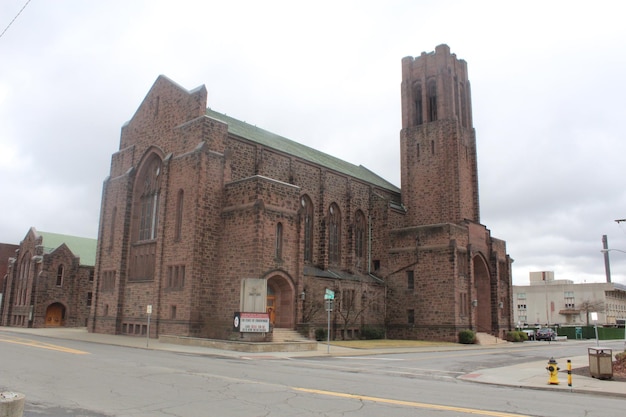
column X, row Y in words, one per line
column 485, row 339
column 280, row 335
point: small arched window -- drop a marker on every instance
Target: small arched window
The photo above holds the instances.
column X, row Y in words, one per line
column 179, row 215
column 60, row 272
column 307, row 207
column 463, row 107
column 112, row 230
column 279, row 241
column 359, row 234
column 334, row 231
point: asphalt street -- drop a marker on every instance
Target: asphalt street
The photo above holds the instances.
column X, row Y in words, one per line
column 74, row 373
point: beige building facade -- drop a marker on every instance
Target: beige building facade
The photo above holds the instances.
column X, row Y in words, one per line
column 547, row 301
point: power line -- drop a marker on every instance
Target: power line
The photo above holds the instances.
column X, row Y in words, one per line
column 16, row 16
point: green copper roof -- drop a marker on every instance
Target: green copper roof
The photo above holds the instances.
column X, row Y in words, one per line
column 271, row 140
column 82, row 247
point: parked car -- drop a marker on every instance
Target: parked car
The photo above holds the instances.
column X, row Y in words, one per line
column 530, row 333
column 545, row 333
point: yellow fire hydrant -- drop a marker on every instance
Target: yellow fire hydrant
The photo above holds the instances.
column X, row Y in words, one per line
column 553, row 370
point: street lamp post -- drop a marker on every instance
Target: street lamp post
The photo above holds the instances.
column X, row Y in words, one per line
column 611, row 250
column 607, row 265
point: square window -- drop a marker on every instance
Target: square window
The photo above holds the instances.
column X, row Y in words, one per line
column 411, row 316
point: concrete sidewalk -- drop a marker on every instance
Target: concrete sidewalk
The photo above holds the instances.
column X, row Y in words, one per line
column 531, row 375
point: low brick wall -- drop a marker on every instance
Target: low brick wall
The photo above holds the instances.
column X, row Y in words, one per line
column 251, row 347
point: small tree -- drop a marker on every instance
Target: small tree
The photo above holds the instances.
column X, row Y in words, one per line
column 590, row 306
column 393, row 307
column 349, row 309
column 310, row 310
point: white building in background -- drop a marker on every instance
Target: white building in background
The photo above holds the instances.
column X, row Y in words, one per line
column 547, row 301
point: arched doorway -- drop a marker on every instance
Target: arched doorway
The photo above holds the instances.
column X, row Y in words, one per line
column 482, row 282
column 280, row 302
column 55, row 315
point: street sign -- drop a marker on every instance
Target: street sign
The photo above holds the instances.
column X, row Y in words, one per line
column 329, row 295
column 329, row 305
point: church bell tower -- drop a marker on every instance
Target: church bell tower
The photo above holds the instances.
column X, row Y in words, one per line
column 438, row 143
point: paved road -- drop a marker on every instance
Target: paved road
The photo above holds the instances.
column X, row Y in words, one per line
column 75, row 378
column 459, row 362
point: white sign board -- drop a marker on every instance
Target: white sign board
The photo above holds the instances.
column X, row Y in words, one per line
column 254, row 322
column 149, row 309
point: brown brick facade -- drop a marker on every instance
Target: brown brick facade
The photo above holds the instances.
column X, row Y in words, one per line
column 7, row 251
column 462, row 275
column 46, row 286
column 197, row 201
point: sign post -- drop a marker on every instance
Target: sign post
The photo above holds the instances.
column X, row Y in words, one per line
column 329, row 297
column 149, row 311
column 624, row 335
column 594, row 318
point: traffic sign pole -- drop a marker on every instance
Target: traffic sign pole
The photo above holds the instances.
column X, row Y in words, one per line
column 329, row 297
column 328, row 328
column 149, row 311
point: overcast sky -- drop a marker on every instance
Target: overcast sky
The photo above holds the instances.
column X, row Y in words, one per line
column 548, row 91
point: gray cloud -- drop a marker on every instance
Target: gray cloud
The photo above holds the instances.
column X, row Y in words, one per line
column 547, row 102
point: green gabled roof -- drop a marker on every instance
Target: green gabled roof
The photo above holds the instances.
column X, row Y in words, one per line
column 82, row 247
column 271, row 140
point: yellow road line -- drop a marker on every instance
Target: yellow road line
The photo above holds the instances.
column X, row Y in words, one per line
column 412, row 403
column 41, row 345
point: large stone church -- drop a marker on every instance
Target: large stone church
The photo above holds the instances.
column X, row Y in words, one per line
column 204, row 216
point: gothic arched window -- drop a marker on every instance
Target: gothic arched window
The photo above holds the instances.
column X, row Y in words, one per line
column 419, row 107
column 24, row 271
column 149, row 199
column 145, row 217
column 60, row 271
column 432, row 101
